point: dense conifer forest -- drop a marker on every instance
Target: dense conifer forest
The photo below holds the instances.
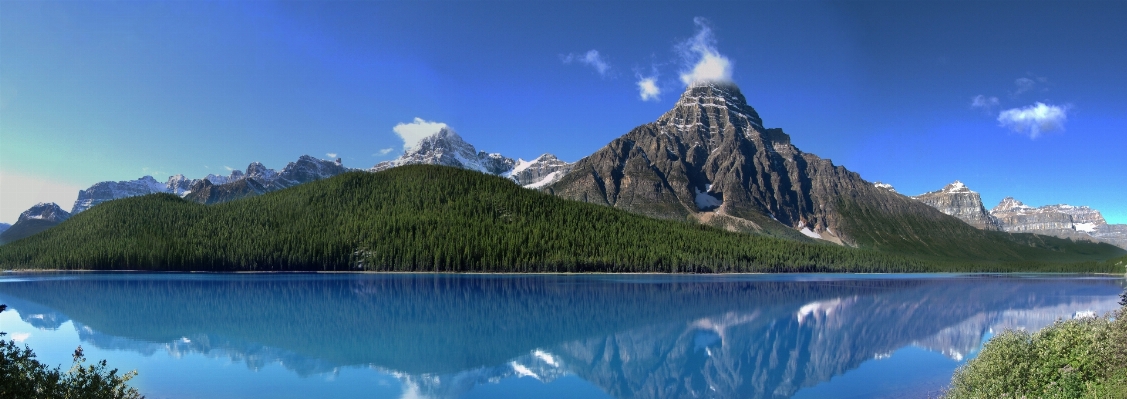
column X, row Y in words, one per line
column 442, row 219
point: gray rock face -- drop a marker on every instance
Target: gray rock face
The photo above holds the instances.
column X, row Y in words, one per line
column 1017, row 217
column 110, row 190
column 543, row 170
column 959, row 201
column 1065, row 221
column 1114, row 234
column 710, row 158
column 447, row 148
column 218, row 179
column 306, row 169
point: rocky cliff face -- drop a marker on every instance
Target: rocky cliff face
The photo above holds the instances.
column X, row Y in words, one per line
column 111, row 190
column 447, row 148
column 711, row 159
column 39, row 217
column 1017, row 217
column 1065, row 221
column 959, row 201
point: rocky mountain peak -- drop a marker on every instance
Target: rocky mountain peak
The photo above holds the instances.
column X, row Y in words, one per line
column 48, row 211
column 706, row 110
column 543, row 170
column 179, row 185
column 958, row 200
column 956, row 187
column 447, row 148
column 1009, row 204
column 256, row 170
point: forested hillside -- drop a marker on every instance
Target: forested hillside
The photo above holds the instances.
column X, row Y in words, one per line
column 431, row 218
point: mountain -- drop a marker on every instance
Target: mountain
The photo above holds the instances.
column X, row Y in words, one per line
column 205, row 192
column 4, row 226
column 545, row 169
column 443, row 219
column 711, row 159
column 447, row 148
column 1065, row 221
column 259, row 180
column 304, row 170
column 40, row 217
column 957, row 200
column 111, row 190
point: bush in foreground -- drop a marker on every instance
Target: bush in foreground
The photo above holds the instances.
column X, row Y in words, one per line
column 22, row 376
column 1079, row 358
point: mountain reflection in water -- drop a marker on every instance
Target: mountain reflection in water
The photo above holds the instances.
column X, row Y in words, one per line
column 631, row 336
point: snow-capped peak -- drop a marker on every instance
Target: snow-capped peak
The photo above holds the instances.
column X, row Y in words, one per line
column 957, row 187
column 885, row 186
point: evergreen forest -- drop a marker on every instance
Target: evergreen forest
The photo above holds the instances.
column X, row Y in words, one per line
column 427, row 218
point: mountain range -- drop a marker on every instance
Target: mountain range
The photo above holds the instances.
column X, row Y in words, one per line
column 708, row 160
column 1011, row 215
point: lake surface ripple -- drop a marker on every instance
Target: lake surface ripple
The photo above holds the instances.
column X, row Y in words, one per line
column 544, row 336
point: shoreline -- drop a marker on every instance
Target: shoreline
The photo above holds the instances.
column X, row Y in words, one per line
column 139, row 271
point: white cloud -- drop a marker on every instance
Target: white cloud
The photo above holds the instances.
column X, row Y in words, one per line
column 1024, row 85
column 647, row 88
column 228, row 168
column 1035, row 119
column 20, row 336
column 331, row 154
column 591, row 58
column 418, row 129
column 22, row 191
column 983, row 102
column 384, row 151
column 708, row 65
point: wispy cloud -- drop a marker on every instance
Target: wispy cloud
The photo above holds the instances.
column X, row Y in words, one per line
column 331, row 154
column 1035, row 119
column 590, row 58
column 1023, row 85
column 705, row 63
column 647, row 88
column 384, row 151
column 228, row 168
column 987, row 104
column 418, row 129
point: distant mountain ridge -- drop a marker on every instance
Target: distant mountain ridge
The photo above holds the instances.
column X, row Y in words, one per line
column 1013, row 216
column 447, row 148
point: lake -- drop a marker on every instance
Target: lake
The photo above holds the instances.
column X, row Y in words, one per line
column 544, row 336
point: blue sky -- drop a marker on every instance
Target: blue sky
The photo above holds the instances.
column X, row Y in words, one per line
column 93, row 91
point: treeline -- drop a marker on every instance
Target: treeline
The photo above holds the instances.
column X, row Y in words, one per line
column 427, row 218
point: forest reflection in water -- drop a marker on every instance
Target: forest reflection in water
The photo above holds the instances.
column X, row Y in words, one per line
column 631, row 336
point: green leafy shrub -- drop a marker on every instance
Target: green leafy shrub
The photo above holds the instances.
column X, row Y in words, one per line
column 1079, row 358
column 22, row 376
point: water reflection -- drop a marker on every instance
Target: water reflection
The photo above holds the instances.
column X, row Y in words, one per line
column 631, row 336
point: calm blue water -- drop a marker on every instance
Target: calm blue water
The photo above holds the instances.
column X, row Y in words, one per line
column 534, row 336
